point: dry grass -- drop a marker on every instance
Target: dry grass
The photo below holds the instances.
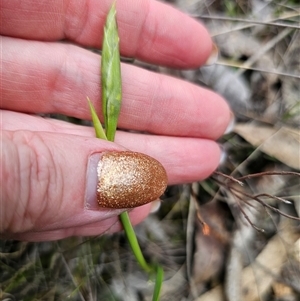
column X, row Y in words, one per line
column 202, row 234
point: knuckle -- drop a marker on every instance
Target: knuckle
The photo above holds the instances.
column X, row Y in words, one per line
column 28, row 173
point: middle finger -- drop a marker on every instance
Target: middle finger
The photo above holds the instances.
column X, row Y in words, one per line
column 44, row 77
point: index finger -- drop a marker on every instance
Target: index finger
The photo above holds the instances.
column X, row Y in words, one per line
column 149, row 30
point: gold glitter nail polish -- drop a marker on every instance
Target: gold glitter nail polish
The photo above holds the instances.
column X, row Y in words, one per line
column 129, row 179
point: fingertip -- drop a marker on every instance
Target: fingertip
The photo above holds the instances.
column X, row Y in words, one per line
column 205, row 53
column 213, row 57
column 171, row 38
column 219, row 117
column 231, row 123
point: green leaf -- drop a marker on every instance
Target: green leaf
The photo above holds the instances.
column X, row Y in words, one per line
column 111, row 75
column 158, row 283
column 96, row 122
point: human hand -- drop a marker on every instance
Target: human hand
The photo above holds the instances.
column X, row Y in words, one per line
column 44, row 162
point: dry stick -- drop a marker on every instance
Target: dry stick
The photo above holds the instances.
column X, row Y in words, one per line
column 235, row 192
column 253, row 22
column 265, row 173
column 245, row 214
column 274, row 197
column 268, row 173
column 231, row 178
column 223, row 62
column 239, row 205
column 254, row 197
column 250, row 23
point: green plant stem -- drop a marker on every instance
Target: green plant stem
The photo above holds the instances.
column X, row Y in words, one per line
column 124, row 217
column 158, row 282
column 131, row 236
column 96, row 122
column 111, row 103
column 125, row 220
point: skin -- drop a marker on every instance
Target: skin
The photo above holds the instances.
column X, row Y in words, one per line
column 44, row 161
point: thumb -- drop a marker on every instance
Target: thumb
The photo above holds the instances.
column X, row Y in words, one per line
column 51, row 185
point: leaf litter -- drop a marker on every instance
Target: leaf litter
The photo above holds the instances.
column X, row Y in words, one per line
column 214, row 240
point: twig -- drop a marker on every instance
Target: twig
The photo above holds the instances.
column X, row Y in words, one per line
column 274, row 197
column 244, row 213
column 223, row 62
column 251, row 22
column 262, row 203
column 229, row 178
column 269, row 173
column 237, row 192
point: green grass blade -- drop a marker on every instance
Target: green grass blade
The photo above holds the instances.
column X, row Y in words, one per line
column 124, row 217
column 111, row 75
column 158, row 283
column 111, row 84
column 96, row 122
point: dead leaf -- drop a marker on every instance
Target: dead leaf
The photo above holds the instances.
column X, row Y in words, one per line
column 282, row 144
column 282, row 291
column 211, row 243
column 258, row 277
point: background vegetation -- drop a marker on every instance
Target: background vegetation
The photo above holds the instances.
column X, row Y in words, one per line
column 216, row 239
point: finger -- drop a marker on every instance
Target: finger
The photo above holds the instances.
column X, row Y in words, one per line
column 185, row 159
column 48, row 181
column 109, row 225
column 44, row 77
column 148, row 30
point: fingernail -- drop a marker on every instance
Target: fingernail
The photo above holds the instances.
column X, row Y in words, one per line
column 125, row 179
column 155, row 206
column 213, row 58
column 231, row 124
column 223, row 155
column 91, row 182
